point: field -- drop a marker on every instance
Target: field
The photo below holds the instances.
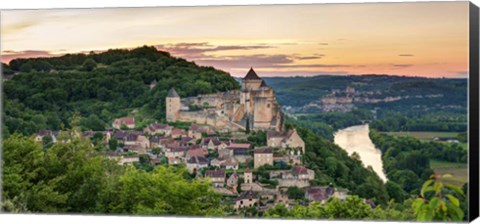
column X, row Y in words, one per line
column 458, row 171
column 424, row 135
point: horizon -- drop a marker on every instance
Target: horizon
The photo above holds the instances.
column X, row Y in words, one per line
column 420, row 39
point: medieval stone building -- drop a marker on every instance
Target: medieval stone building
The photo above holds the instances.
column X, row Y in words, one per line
column 254, row 106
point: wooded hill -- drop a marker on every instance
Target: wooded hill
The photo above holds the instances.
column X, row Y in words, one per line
column 43, row 93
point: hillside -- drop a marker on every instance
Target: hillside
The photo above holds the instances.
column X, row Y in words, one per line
column 45, row 92
column 298, row 92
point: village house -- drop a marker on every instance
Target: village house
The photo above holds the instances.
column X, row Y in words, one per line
column 212, row 143
column 178, row 133
column 298, row 176
column 320, row 194
column 246, row 199
column 136, row 139
column 262, row 156
column 230, row 163
column 175, row 151
column 241, row 155
column 196, row 163
column 41, row 134
column 186, row 141
column 160, row 141
column 217, row 177
column 286, row 140
column 195, row 131
column 195, row 151
column 129, row 122
column 216, row 162
column 232, row 183
column 225, row 153
column 158, row 129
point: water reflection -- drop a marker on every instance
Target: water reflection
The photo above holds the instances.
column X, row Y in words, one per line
column 356, row 139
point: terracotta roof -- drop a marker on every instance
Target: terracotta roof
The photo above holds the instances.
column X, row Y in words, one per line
column 247, row 195
column 198, row 160
column 172, row 93
column 195, row 152
column 126, row 120
column 298, row 170
column 263, row 150
column 215, row 173
column 251, row 75
column 239, row 145
column 280, row 134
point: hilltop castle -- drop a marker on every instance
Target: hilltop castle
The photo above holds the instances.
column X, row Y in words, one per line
column 254, row 106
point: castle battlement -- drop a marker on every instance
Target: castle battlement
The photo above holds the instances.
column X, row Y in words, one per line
column 254, row 104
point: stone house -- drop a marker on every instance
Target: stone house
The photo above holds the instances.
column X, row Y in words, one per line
column 246, row 199
column 129, row 122
column 217, row 177
column 196, row 163
column 158, row 129
column 232, row 182
column 39, row 136
column 178, row 133
column 213, row 143
column 225, row 153
column 195, row 131
column 262, row 156
column 286, row 140
column 196, row 151
column 241, row 155
column 230, row 163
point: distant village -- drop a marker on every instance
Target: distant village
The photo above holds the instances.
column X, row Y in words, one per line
column 344, row 100
column 215, row 146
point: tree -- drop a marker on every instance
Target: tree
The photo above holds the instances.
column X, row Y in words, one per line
column 295, row 193
column 247, row 126
column 113, row 143
column 89, row 65
column 437, row 202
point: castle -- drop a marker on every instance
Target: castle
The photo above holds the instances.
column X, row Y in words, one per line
column 254, row 107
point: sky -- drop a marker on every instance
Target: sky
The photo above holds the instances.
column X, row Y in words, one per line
column 411, row 39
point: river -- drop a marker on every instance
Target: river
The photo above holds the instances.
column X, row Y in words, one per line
column 356, row 139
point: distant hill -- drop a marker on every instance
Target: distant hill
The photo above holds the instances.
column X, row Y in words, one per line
column 45, row 92
column 300, row 91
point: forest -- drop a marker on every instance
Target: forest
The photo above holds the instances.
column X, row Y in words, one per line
column 43, row 93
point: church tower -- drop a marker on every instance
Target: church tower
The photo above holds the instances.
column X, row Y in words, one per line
column 172, row 105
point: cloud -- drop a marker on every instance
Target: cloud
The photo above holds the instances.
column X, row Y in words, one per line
column 9, row 55
column 199, row 50
column 402, row 65
column 322, row 43
column 405, row 55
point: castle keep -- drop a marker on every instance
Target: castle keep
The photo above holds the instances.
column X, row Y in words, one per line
column 254, row 106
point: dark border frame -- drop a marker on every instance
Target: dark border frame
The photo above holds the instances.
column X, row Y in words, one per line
column 473, row 132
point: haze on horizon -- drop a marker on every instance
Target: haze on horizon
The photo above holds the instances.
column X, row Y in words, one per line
column 411, row 39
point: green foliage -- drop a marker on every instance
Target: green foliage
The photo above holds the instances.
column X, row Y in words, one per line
column 295, row 193
column 73, row 177
column 89, row 65
column 258, row 138
column 437, row 202
column 109, row 91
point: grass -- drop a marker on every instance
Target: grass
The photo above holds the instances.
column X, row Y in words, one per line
column 458, row 171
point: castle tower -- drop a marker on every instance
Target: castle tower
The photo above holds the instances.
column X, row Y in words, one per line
column 248, row 176
column 172, row 105
column 251, row 81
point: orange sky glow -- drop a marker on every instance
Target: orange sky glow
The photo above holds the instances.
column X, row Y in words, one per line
column 412, row 39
